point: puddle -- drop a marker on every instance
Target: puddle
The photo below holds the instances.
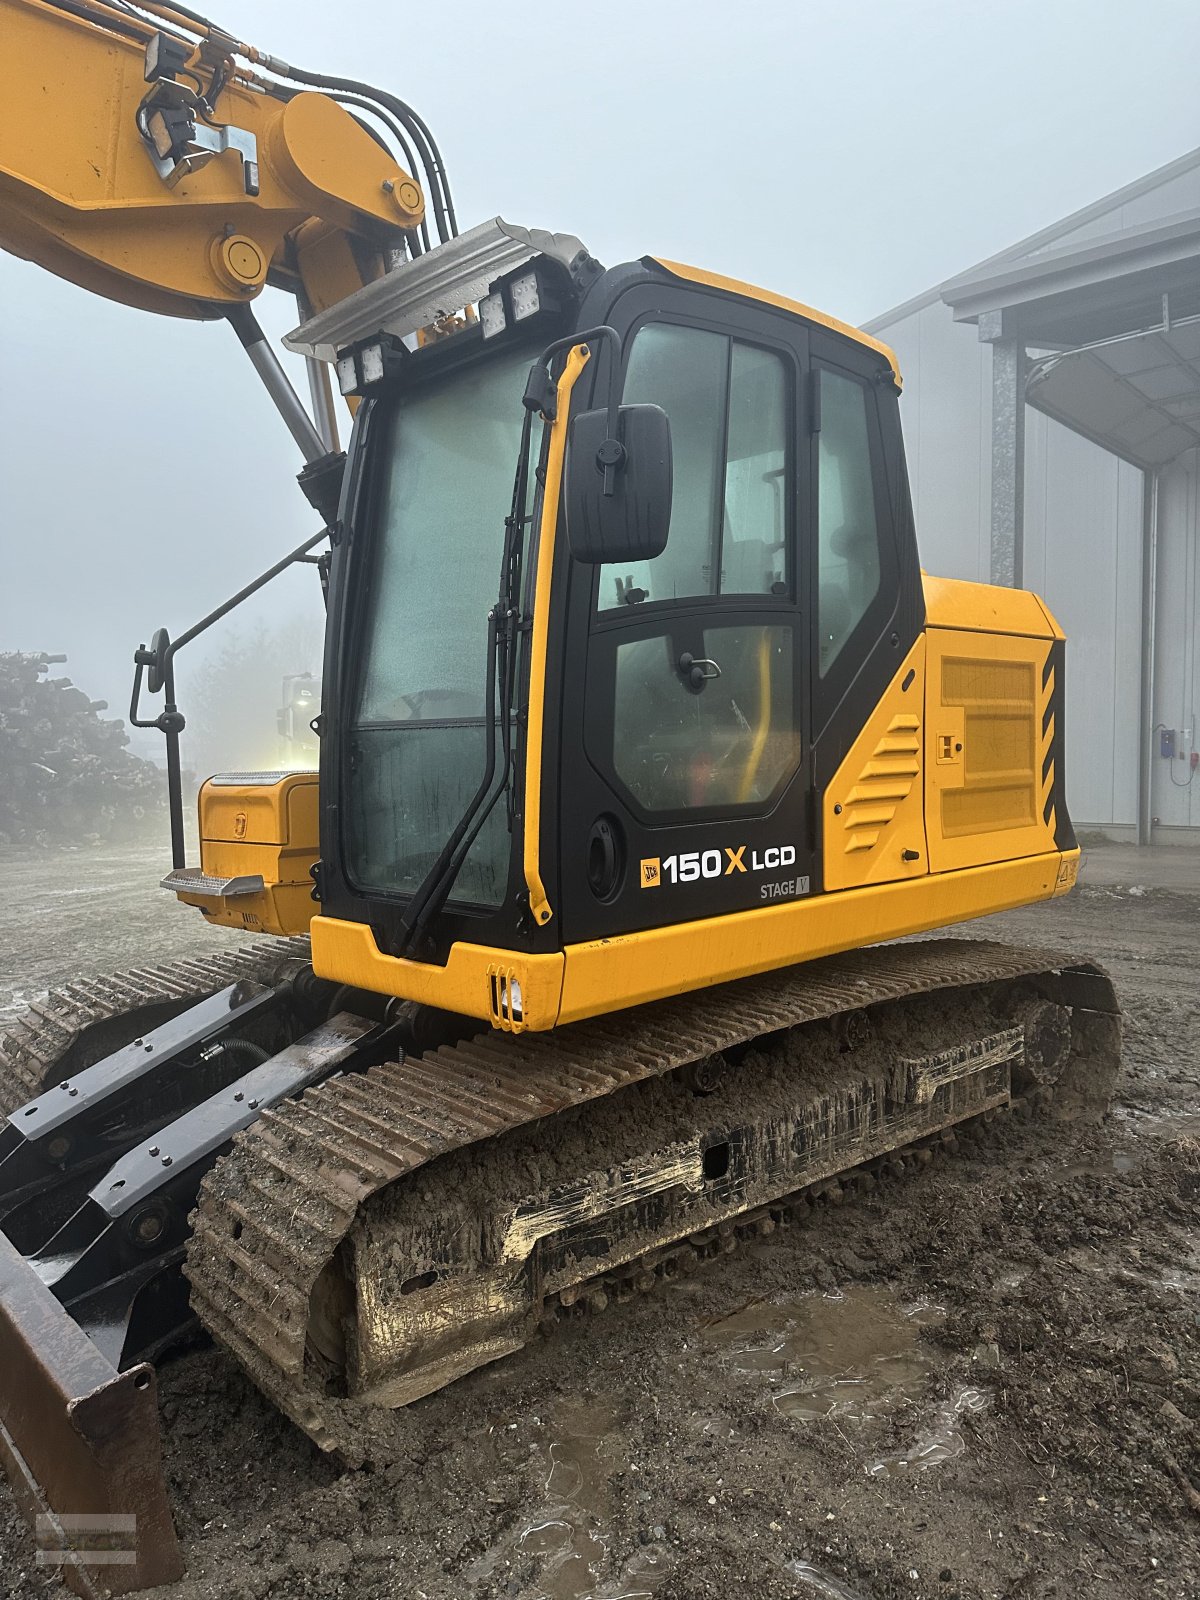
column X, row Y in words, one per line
column 1168, row 1122
column 817, row 1582
column 642, row 1577
column 1184, row 1276
column 942, row 1441
column 569, row 1454
column 849, row 1358
column 1116, row 1163
column 850, row 1355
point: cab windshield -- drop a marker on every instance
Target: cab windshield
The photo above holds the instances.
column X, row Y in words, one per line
column 417, row 736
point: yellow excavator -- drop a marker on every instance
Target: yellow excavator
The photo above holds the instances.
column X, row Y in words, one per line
column 640, row 729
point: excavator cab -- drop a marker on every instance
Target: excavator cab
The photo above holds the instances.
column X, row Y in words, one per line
column 690, row 702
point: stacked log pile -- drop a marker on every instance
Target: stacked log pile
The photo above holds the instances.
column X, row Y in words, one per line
column 65, row 774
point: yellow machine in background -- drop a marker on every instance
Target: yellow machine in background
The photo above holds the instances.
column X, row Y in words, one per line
column 640, row 727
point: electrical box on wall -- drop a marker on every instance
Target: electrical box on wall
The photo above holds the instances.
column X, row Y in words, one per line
column 1166, row 742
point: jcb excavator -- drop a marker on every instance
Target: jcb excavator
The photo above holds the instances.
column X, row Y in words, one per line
column 640, row 728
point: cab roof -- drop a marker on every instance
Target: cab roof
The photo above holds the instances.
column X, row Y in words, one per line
column 749, row 291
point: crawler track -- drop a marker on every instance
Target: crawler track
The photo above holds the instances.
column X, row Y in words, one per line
column 85, row 1020
column 301, row 1231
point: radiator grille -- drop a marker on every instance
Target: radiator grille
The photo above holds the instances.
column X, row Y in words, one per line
column 1002, row 761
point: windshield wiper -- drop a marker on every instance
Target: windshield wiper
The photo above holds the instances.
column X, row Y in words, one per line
column 503, row 628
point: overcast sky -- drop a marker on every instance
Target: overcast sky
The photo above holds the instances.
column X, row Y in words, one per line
column 850, row 155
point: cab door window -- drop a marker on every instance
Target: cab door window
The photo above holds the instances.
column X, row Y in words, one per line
column 754, row 525
column 727, row 404
column 725, row 742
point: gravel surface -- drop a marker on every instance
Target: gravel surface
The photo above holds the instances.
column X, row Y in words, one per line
column 982, row 1380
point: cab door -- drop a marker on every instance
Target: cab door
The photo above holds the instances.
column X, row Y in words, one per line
column 683, row 788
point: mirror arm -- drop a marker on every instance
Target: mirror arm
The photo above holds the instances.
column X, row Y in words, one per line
column 158, row 662
column 610, row 457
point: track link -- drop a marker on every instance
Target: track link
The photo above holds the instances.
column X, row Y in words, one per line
column 647, row 1272
column 274, row 1212
column 86, row 1019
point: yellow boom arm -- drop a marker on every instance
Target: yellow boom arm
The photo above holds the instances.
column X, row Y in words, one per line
column 143, row 158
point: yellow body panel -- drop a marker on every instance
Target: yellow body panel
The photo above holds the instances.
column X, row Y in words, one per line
column 279, row 811
column 986, row 608
column 269, row 829
column 613, row 973
column 588, row 980
column 874, row 809
column 988, row 748
column 750, row 291
column 347, row 953
column 80, row 195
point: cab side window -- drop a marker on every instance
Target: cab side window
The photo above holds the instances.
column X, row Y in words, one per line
column 848, row 533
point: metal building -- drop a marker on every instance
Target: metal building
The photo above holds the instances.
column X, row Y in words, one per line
column 1052, row 418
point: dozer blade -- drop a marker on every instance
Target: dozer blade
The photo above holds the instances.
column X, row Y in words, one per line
column 95, row 1191
column 80, row 1444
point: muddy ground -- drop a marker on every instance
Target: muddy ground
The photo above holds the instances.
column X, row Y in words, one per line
column 981, row 1381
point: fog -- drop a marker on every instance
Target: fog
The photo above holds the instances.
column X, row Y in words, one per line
column 851, row 156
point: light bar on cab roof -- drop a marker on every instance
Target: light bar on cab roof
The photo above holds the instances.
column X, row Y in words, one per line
column 437, row 284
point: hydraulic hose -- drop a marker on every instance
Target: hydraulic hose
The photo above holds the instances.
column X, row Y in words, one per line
column 414, row 125
column 254, row 1053
column 431, row 157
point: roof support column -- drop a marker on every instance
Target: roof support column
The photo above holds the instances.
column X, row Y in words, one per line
column 1008, row 450
column 1145, row 795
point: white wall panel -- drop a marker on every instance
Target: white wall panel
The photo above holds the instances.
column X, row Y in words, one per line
column 946, row 411
column 1083, row 512
column 1082, row 542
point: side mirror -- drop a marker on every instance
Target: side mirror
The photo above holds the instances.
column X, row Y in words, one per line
column 155, row 660
column 617, row 490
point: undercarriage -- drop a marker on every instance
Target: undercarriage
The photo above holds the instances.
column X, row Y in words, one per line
column 361, row 1214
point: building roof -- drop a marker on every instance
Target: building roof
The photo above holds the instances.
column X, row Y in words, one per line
column 1075, row 293
column 1046, row 236
column 1111, row 319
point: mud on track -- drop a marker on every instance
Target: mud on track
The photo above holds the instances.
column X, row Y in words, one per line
column 980, row 1380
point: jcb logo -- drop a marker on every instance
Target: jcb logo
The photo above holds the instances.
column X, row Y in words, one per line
column 651, row 872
